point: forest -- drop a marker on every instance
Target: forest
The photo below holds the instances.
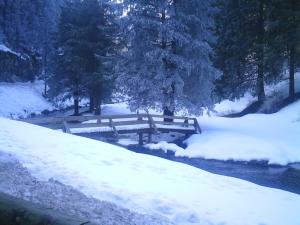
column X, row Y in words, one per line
column 168, row 55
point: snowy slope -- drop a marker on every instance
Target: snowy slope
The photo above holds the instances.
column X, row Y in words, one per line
column 274, row 137
column 22, row 99
column 276, row 92
column 143, row 183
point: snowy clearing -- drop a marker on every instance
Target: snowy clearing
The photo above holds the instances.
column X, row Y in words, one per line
column 273, row 138
column 143, row 183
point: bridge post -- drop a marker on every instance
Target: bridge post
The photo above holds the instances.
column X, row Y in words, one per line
column 149, row 137
column 140, row 138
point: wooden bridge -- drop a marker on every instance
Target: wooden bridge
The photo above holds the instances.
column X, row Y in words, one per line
column 120, row 124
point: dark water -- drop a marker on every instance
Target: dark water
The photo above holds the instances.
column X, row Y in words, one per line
column 281, row 177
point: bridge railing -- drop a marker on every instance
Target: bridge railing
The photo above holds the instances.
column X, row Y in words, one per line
column 129, row 123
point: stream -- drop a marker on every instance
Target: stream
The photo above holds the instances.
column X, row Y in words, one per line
column 274, row 176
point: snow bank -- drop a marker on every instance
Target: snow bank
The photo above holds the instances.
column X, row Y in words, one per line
column 22, row 99
column 273, row 137
column 143, row 183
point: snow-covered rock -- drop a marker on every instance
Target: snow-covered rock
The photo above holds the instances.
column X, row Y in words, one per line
column 146, row 184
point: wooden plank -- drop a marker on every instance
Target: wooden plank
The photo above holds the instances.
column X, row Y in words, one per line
column 46, row 120
column 182, row 124
column 171, row 117
column 183, row 131
column 107, row 124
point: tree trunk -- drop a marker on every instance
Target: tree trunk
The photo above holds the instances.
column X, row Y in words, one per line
column 292, row 74
column 92, row 105
column 76, row 105
column 168, row 112
column 260, row 84
column 260, row 67
column 97, row 103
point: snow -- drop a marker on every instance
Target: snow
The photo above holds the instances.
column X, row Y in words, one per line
column 127, row 142
column 226, row 107
column 165, row 146
column 269, row 137
column 146, row 184
column 18, row 182
column 4, row 48
column 22, row 99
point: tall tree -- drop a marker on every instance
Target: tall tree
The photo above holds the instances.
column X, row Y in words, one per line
column 84, row 44
column 285, row 29
column 161, row 54
column 25, row 27
column 244, row 52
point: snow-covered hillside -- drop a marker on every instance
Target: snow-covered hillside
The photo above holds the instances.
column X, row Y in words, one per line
column 273, row 137
column 275, row 93
column 22, row 99
column 145, row 184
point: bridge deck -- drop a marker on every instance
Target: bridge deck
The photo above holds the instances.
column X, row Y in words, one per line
column 119, row 124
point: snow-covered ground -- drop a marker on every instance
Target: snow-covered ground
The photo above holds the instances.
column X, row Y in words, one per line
column 273, row 137
column 18, row 182
column 143, row 183
column 22, row 99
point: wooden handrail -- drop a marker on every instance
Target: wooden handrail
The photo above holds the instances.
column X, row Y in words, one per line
column 115, row 121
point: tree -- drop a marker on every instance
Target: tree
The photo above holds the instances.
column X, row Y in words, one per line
column 285, row 28
column 165, row 48
column 244, row 51
column 84, row 44
column 25, row 28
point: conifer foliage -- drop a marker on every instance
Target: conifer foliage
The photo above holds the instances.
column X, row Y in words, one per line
column 84, row 44
column 167, row 54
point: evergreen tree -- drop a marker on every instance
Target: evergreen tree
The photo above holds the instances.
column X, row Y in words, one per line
column 284, row 27
column 166, row 47
column 244, row 51
column 84, row 44
column 22, row 28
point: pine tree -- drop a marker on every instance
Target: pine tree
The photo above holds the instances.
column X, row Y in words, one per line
column 245, row 51
column 164, row 50
column 285, row 29
column 84, row 44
